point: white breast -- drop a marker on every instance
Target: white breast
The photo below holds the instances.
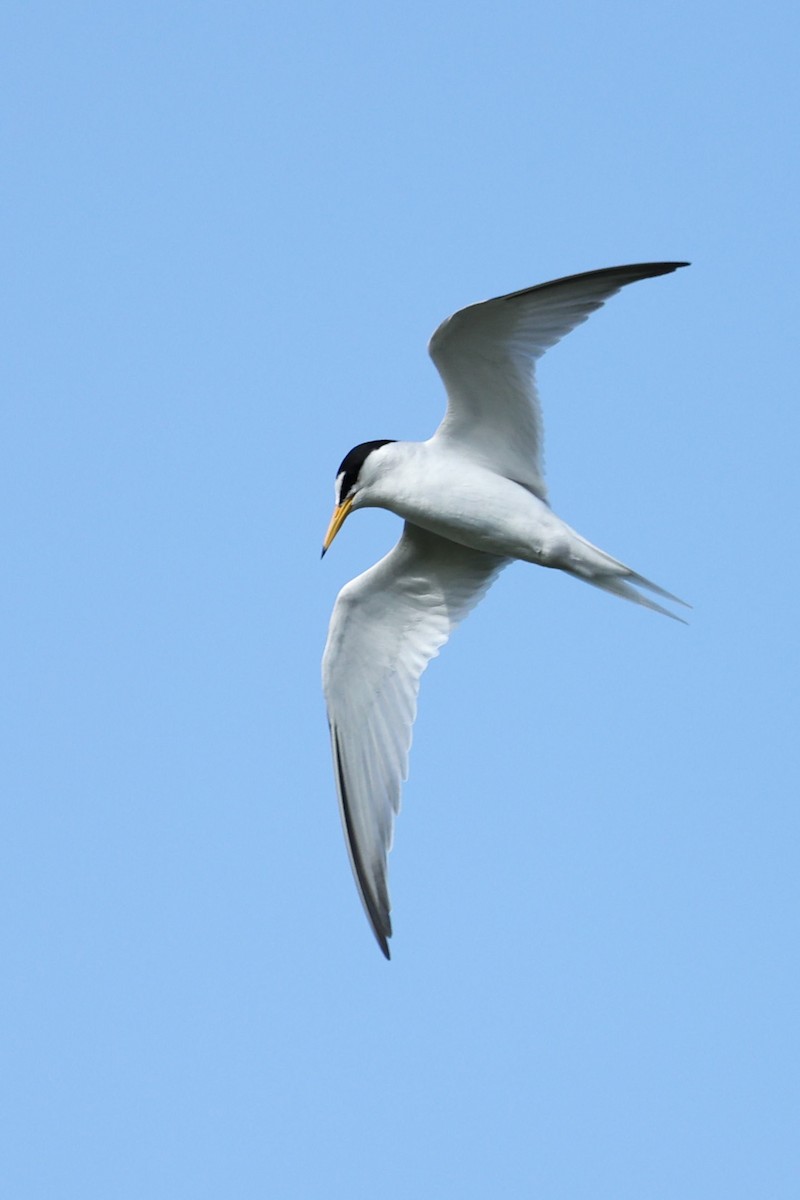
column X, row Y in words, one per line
column 449, row 495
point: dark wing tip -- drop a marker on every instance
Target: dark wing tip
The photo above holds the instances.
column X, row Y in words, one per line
column 641, row 270
column 622, row 275
column 377, row 914
column 638, row 271
column 664, row 268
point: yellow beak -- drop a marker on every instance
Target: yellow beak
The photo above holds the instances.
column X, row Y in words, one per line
column 337, row 520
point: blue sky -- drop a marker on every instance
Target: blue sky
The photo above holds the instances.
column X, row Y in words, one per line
column 228, row 231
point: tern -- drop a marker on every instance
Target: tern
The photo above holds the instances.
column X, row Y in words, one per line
column 473, row 499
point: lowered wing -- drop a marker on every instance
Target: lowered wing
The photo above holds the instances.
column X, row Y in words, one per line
column 386, row 626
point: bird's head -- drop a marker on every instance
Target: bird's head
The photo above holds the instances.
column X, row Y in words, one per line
column 354, row 472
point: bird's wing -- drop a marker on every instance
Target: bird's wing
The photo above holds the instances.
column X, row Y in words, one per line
column 486, row 356
column 386, row 626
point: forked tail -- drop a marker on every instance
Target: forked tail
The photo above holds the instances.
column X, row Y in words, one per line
column 600, row 569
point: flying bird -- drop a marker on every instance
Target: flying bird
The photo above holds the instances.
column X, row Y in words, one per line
column 473, row 498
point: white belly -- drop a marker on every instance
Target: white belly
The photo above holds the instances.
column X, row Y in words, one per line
column 474, row 507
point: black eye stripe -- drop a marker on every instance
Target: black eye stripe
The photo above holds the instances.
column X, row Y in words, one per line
column 352, row 463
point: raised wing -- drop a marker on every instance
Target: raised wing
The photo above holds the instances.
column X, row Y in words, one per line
column 486, row 356
column 386, row 626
